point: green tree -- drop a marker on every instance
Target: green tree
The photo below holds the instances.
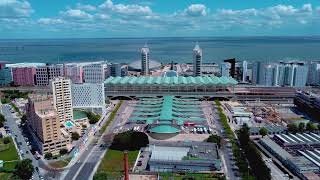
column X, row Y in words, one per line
column 23, row 119
column 302, row 127
column 63, row 151
column 311, row 127
column 215, row 139
column 101, row 176
column 75, row 136
column 48, row 155
column 129, row 140
column 293, row 128
column 6, row 140
column 93, row 118
column 263, row 131
column 24, row 169
column 2, row 120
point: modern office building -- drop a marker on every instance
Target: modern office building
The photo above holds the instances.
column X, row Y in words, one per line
column 62, row 98
column 45, row 73
column 244, row 71
column 5, row 74
column 74, row 72
column 89, row 96
column 114, row 69
column 197, row 60
column 44, row 122
column 145, row 59
column 94, row 72
column 23, row 74
column 314, row 74
column 300, row 76
column 225, row 69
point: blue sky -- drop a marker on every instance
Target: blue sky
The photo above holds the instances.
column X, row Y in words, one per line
column 157, row 18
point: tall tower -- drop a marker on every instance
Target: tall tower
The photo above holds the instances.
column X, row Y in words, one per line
column 145, row 60
column 62, row 99
column 244, row 71
column 197, row 60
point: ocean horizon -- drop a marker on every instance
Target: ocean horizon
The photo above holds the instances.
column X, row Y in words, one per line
column 163, row 49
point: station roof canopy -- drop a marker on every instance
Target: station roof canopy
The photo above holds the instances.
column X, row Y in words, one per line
column 151, row 80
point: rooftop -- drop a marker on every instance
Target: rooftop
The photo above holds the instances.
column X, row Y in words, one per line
column 150, row 80
column 164, row 129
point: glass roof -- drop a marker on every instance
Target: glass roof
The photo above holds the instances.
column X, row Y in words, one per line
column 144, row 80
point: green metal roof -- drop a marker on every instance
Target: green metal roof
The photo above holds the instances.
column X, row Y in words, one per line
column 166, row 110
column 144, row 80
column 164, row 129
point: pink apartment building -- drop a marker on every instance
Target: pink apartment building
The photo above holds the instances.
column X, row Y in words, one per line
column 24, row 76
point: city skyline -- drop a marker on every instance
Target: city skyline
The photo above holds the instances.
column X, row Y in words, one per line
column 107, row 19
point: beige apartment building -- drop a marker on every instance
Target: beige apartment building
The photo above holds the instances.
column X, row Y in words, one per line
column 62, row 99
column 45, row 124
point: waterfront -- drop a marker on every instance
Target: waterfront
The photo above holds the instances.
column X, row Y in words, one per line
column 163, row 49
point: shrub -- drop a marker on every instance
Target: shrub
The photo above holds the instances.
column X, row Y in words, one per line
column 48, row 155
column 63, row 151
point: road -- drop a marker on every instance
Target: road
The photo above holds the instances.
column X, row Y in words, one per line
column 85, row 166
column 224, row 149
column 19, row 139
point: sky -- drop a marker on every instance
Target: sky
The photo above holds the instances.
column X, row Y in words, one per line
column 157, row 18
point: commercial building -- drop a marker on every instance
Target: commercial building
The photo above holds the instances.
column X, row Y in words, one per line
column 5, row 74
column 225, row 69
column 88, row 96
column 62, row 98
column 201, row 85
column 145, row 58
column 45, row 125
column 114, row 70
column 74, row 72
column 183, row 157
column 23, row 74
column 293, row 156
column 94, row 72
column 197, row 60
column 314, row 73
column 45, row 73
column 308, row 102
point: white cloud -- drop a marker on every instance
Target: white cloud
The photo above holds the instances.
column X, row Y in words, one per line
column 86, row 7
column 196, row 10
column 50, row 21
column 76, row 14
column 15, row 9
column 131, row 9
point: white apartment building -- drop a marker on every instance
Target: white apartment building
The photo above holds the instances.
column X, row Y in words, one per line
column 94, row 72
column 89, row 96
column 62, row 99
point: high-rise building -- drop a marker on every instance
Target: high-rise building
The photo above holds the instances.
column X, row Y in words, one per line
column 114, row 69
column 244, row 71
column 94, row 72
column 300, row 76
column 5, row 74
column 89, row 96
column 74, row 72
column 314, row 74
column 45, row 125
column 23, row 74
column 197, row 60
column 225, row 69
column 45, row 73
column 145, row 59
column 62, row 98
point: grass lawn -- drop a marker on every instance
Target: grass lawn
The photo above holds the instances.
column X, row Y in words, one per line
column 60, row 163
column 5, row 176
column 112, row 162
column 10, row 153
